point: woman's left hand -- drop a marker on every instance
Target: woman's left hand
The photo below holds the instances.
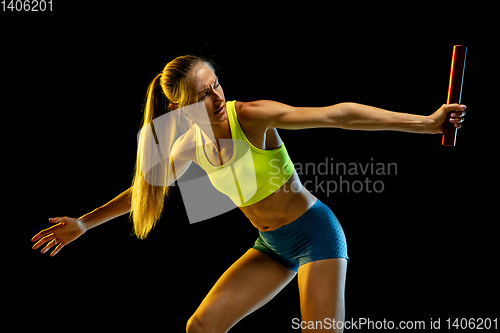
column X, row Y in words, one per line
column 456, row 116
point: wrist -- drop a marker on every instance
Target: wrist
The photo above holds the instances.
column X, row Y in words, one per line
column 432, row 125
column 89, row 220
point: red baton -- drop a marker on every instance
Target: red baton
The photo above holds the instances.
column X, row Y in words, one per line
column 454, row 92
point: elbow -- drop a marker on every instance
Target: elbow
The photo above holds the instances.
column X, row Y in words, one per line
column 357, row 117
column 344, row 118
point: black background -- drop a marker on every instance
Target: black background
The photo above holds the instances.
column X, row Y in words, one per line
column 74, row 85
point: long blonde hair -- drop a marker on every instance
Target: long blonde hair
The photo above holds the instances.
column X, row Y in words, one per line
column 150, row 184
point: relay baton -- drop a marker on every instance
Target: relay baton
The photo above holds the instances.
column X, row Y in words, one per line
column 454, row 92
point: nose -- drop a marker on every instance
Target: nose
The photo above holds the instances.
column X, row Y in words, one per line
column 217, row 94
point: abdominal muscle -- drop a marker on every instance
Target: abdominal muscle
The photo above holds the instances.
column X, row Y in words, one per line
column 285, row 205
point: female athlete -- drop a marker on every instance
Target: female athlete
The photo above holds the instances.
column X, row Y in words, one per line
column 298, row 234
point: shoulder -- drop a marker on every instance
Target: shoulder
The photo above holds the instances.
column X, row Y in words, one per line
column 260, row 112
column 185, row 146
column 244, row 110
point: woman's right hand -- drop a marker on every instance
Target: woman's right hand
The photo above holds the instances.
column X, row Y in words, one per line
column 64, row 232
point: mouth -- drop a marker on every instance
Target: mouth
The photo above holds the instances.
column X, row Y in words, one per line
column 220, row 110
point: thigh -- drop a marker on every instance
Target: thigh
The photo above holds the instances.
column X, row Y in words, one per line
column 249, row 283
column 321, row 288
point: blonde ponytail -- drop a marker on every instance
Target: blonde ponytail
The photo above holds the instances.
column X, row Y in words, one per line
column 153, row 170
column 147, row 199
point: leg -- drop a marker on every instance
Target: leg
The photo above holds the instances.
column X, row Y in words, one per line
column 249, row 283
column 321, row 288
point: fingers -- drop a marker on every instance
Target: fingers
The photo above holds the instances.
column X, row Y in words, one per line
column 454, row 107
column 457, row 118
column 57, row 249
column 51, row 241
column 49, row 245
column 49, row 238
column 45, row 231
column 42, row 233
column 457, row 114
column 61, row 220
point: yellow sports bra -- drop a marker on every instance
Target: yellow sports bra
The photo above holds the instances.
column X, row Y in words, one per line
column 252, row 174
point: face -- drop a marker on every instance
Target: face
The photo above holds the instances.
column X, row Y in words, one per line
column 209, row 91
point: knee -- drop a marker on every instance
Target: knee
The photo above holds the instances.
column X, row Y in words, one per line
column 195, row 325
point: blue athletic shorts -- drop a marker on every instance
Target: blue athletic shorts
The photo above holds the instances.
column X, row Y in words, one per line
column 315, row 235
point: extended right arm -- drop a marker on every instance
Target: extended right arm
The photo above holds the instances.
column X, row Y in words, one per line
column 67, row 229
column 116, row 207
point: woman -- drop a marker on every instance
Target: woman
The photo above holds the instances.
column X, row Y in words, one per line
column 297, row 233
